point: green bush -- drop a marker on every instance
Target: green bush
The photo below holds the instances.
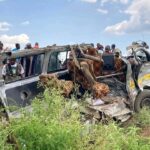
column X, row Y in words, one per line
column 143, row 118
column 54, row 124
column 113, row 137
column 4, row 132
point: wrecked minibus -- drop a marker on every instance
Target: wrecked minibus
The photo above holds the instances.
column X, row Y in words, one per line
column 128, row 86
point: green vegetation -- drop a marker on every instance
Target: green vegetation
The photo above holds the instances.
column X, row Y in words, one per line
column 54, row 124
column 143, row 118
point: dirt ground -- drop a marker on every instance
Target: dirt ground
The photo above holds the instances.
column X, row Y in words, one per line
column 145, row 132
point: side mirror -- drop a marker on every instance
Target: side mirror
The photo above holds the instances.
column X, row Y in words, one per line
column 2, row 82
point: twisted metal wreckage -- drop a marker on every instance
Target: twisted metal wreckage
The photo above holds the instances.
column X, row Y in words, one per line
column 118, row 85
column 109, row 97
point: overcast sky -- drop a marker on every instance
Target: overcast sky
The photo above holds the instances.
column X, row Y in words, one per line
column 74, row 21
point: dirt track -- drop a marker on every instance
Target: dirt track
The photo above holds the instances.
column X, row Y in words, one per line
column 145, row 132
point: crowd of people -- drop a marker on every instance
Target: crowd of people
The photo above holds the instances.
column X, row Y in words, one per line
column 100, row 48
column 18, row 47
column 107, row 49
column 14, row 66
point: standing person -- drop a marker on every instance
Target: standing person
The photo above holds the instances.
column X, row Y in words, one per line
column 34, row 61
column 28, row 46
column 117, row 50
column 113, row 48
column 107, row 49
column 26, row 62
column 100, row 48
column 12, row 70
column 36, row 45
column 17, row 47
column 1, row 46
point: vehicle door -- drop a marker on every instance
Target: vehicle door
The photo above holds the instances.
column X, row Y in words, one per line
column 144, row 71
column 19, row 93
column 130, row 83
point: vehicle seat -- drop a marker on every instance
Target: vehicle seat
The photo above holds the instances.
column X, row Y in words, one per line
column 109, row 63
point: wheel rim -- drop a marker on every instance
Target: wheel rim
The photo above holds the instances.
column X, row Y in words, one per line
column 146, row 103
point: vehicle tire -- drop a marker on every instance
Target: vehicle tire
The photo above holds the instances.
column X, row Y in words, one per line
column 142, row 100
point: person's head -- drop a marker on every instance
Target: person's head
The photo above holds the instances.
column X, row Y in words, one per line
column 36, row 45
column 107, row 49
column 113, row 46
column 28, row 46
column 1, row 45
column 99, row 46
column 17, row 46
column 12, row 61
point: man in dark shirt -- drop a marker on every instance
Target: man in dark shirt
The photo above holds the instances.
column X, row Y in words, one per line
column 17, row 47
column 113, row 48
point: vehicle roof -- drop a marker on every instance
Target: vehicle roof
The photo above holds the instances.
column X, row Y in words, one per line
column 27, row 52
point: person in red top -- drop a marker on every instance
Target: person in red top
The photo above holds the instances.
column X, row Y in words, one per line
column 36, row 45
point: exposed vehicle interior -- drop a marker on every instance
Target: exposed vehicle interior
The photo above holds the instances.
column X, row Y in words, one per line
column 113, row 73
column 113, row 70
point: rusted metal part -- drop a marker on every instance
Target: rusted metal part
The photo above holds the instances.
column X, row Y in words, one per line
column 74, row 57
column 85, row 64
column 91, row 57
column 87, row 70
column 52, row 81
column 100, row 90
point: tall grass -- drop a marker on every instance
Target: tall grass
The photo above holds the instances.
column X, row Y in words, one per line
column 53, row 124
column 143, row 118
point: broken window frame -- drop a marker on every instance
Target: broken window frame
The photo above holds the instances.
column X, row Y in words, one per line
column 58, row 68
column 32, row 75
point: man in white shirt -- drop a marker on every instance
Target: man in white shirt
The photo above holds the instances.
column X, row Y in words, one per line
column 12, row 70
